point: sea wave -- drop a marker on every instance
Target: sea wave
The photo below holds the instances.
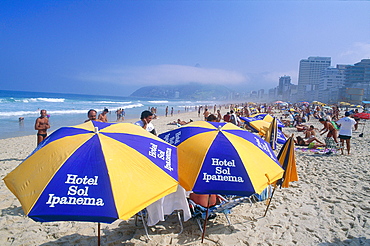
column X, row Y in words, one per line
column 137, row 105
column 157, row 101
column 36, row 113
column 31, row 100
column 111, row 102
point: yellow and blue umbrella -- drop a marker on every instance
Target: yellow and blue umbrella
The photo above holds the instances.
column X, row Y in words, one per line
column 267, row 118
column 287, row 159
column 261, row 126
column 221, row 158
column 271, row 135
column 96, row 172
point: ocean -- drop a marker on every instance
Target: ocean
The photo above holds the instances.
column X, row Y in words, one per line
column 71, row 109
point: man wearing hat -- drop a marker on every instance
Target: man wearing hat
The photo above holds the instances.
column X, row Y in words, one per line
column 345, row 132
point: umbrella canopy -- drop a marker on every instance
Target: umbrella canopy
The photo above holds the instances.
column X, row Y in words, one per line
column 95, row 172
column 267, row 118
column 287, row 159
column 262, row 127
column 362, row 115
column 221, row 158
column 271, row 135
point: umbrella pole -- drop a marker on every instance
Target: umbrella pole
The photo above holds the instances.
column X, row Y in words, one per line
column 205, row 221
column 272, row 195
column 98, row 233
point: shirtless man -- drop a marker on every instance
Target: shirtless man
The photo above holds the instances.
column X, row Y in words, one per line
column 103, row 116
column 328, row 127
column 91, row 114
column 41, row 125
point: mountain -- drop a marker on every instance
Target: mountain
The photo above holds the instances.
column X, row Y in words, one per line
column 192, row 91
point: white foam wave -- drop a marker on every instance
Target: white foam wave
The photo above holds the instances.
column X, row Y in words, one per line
column 112, row 102
column 19, row 113
column 37, row 113
column 158, row 101
column 30, row 100
column 137, row 105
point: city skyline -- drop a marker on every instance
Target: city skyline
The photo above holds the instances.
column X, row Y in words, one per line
column 116, row 47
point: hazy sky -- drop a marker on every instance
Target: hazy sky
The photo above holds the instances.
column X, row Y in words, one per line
column 115, row 47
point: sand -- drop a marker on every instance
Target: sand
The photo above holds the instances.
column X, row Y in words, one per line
column 329, row 205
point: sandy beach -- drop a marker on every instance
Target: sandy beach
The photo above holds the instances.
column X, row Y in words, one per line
column 329, row 205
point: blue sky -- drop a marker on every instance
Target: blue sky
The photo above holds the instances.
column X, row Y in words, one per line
column 115, row 47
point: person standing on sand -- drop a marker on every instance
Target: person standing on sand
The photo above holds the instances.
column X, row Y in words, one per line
column 328, row 127
column 219, row 116
column 206, row 113
column 145, row 121
column 41, row 125
column 103, row 116
column 345, row 132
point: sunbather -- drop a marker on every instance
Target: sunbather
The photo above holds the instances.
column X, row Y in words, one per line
column 301, row 142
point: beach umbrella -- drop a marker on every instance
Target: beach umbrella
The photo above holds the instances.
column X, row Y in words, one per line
column 262, row 127
column 271, row 134
column 221, row 158
column 362, row 115
column 287, row 160
column 267, row 118
column 96, row 172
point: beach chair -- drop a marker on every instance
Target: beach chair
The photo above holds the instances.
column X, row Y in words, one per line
column 143, row 215
column 331, row 146
column 225, row 206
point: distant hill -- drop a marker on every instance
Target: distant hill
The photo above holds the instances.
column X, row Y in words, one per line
column 192, row 91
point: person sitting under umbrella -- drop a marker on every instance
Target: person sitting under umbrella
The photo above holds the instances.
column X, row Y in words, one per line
column 145, row 121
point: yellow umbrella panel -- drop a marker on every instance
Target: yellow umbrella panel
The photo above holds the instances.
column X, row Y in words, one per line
column 84, row 174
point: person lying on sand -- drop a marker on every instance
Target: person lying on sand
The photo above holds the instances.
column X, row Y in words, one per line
column 179, row 122
column 301, row 142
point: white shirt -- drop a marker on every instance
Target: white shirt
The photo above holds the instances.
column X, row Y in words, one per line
column 346, row 124
column 149, row 126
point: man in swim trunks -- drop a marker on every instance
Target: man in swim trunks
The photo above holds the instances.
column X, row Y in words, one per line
column 41, row 125
column 328, row 127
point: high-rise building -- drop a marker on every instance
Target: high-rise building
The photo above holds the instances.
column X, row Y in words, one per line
column 309, row 76
column 284, row 88
column 284, row 84
column 331, row 80
column 357, row 78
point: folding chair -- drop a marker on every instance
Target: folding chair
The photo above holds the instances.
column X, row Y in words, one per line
column 226, row 205
column 331, row 146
